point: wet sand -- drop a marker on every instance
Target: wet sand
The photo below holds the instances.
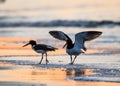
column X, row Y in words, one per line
column 19, row 67
column 13, row 46
column 31, row 75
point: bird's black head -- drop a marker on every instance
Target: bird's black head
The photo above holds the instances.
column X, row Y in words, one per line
column 32, row 42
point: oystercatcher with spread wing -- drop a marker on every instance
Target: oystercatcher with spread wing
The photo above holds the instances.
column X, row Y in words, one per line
column 78, row 47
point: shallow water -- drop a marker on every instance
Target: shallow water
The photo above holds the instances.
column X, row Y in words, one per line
column 21, row 22
column 88, row 69
column 99, row 65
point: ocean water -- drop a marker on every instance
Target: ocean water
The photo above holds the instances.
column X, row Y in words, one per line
column 22, row 20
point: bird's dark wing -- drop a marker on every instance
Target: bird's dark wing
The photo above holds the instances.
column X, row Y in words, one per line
column 88, row 35
column 81, row 37
column 59, row 35
column 44, row 47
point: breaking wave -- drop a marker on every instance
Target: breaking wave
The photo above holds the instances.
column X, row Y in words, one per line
column 60, row 23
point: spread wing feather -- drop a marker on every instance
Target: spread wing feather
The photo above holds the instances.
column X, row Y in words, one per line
column 88, row 35
column 81, row 37
column 60, row 35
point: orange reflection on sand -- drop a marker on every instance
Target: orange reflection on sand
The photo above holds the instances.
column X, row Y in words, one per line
column 13, row 46
column 33, row 75
column 14, row 39
column 26, row 51
column 50, row 76
column 38, row 75
column 13, row 42
column 5, row 64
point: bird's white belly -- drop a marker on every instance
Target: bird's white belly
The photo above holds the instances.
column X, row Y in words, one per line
column 73, row 51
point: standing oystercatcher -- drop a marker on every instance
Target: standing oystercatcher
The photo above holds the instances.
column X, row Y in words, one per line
column 78, row 47
column 41, row 48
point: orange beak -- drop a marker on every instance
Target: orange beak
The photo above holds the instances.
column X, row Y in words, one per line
column 65, row 45
column 25, row 44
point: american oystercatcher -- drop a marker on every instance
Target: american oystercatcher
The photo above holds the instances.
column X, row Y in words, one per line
column 41, row 48
column 78, row 47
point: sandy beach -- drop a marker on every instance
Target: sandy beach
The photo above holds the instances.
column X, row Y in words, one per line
column 19, row 67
